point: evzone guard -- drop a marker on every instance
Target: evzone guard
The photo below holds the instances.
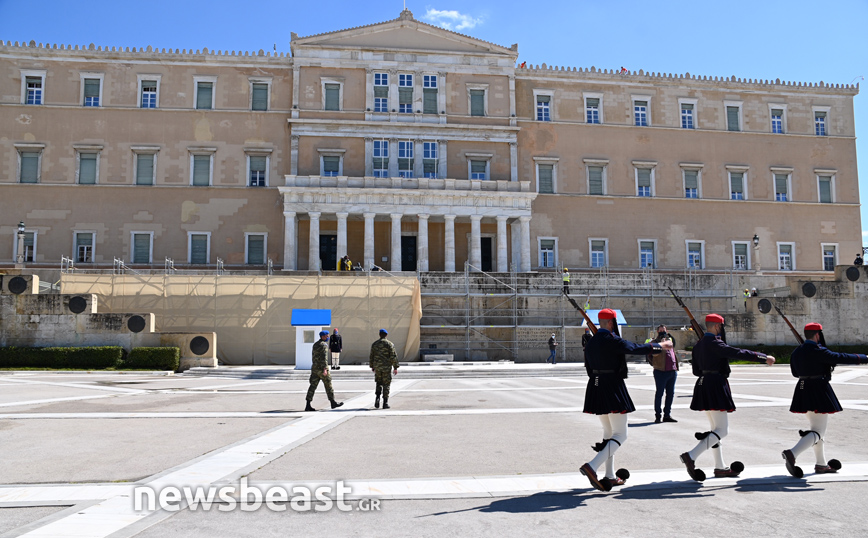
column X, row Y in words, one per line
column 711, row 356
column 607, row 395
column 813, row 363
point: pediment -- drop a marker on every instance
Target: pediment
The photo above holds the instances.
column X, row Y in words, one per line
column 403, row 34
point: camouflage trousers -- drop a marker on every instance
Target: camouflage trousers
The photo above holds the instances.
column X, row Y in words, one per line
column 315, row 378
column 383, row 379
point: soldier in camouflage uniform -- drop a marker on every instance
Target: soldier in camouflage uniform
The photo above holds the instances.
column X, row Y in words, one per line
column 319, row 370
column 383, row 361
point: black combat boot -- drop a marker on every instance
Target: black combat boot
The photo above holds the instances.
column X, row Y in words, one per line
column 309, row 407
column 336, row 404
column 385, row 403
column 377, row 402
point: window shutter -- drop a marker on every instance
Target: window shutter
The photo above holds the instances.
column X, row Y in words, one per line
column 29, row 167
column 737, row 181
column 825, row 189
column 595, row 177
column 332, row 96
column 405, row 96
column 260, row 97
column 199, row 249
column 381, row 91
column 546, row 176
column 256, row 249
column 477, row 167
column 777, row 112
column 819, row 115
column 543, row 99
column 477, row 102
column 141, row 248
column 331, row 163
column 87, row 168
column 640, row 103
column 786, row 249
column 598, row 246
column 429, row 101
column 687, row 106
column 201, row 170
column 84, row 239
column 732, row 118
column 547, row 244
column 741, row 249
column 29, row 239
column 644, row 177
column 593, row 102
column 144, row 169
column 203, row 95
column 646, row 245
column 429, row 167
column 690, row 181
column 780, row 183
column 91, row 87
column 257, row 163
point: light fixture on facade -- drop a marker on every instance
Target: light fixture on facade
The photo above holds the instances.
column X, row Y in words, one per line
column 755, row 240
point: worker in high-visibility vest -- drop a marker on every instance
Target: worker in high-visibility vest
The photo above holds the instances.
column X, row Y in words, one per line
column 566, row 280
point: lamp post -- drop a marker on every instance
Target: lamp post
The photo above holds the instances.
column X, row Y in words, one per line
column 19, row 260
column 756, row 256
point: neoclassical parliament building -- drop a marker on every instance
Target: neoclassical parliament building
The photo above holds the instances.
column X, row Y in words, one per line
column 414, row 148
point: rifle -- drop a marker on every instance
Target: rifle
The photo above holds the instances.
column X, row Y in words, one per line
column 795, row 332
column 697, row 328
column 582, row 312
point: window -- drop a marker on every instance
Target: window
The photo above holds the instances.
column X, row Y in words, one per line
column 820, row 122
column 406, row 161
column 149, row 91
column 596, row 179
column 258, row 170
column 477, row 101
column 736, row 185
column 687, row 116
column 733, row 115
column 647, row 257
column 777, row 120
column 599, row 252
column 83, row 252
column 824, row 187
column 29, row 246
column 430, row 161
column 429, row 94
column 331, row 165
column 643, row 181
column 478, row 169
column 381, row 92
column 694, row 254
column 691, row 183
column 142, row 244
column 254, row 248
column 830, row 258
column 740, row 260
column 546, row 178
column 145, row 163
column 259, row 96
column 543, row 108
column 640, row 113
column 29, row 166
column 91, row 91
column 405, row 94
column 592, row 109
column 33, row 88
column 204, row 97
column 201, row 168
column 198, row 248
column 381, row 158
column 88, row 168
column 547, row 250
column 782, row 189
column 786, row 259
column 332, row 99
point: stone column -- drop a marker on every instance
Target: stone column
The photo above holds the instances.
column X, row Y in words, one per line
column 393, row 92
column 313, row 262
column 295, row 86
column 441, row 96
column 342, row 234
column 393, row 157
column 293, row 155
column 290, row 241
column 513, row 161
column 512, row 118
column 475, row 243
column 369, row 156
column 525, row 244
column 502, row 259
column 441, row 155
column 418, row 158
column 422, row 243
column 396, row 241
column 369, row 239
column 449, row 242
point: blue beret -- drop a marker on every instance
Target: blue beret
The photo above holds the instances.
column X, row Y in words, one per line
column 321, row 333
column 384, row 331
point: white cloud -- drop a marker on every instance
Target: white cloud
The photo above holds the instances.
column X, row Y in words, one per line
column 451, row 20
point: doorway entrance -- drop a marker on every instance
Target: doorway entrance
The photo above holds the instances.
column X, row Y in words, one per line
column 408, row 253
column 328, row 252
column 485, row 244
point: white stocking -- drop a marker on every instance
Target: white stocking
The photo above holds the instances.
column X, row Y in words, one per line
column 818, row 423
column 719, row 421
column 615, row 428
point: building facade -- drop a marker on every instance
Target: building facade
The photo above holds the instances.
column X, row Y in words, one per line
column 414, row 148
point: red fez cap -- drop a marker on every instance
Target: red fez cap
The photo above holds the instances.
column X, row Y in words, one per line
column 606, row 313
column 813, row 327
column 714, row 318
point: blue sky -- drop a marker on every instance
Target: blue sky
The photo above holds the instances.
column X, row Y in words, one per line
column 792, row 40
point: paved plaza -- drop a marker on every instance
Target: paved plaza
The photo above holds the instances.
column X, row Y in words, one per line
column 457, row 456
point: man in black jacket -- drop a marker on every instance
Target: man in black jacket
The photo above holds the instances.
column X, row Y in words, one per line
column 336, row 344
